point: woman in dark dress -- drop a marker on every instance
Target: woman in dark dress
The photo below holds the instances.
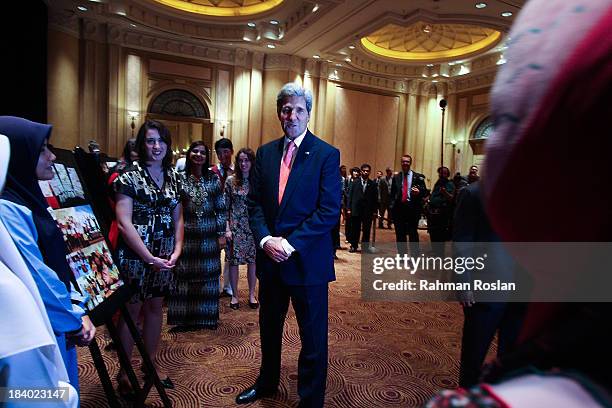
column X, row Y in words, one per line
column 194, row 303
column 150, row 220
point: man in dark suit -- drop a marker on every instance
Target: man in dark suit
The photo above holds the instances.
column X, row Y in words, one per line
column 483, row 318
column 294, row 202
column 407, row 192
column 361, row 207
column 384, row 193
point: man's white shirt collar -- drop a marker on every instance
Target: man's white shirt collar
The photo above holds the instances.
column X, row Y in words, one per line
column 297, row 140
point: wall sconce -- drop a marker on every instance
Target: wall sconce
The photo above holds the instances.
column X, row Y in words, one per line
column 132, row 115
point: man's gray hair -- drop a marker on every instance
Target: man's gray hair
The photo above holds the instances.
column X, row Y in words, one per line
column 293, row 89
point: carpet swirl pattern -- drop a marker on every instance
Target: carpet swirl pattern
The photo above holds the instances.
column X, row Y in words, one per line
column 381, row 354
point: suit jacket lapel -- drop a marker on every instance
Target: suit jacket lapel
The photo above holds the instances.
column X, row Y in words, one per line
column 297, row 169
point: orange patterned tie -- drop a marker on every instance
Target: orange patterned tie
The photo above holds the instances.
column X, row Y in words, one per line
column 285, row 169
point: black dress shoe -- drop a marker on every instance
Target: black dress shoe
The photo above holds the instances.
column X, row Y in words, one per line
column 253, row 305
column 253, row 394
column 234, row 306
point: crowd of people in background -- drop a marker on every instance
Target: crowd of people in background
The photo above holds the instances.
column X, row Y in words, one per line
column 399, row 200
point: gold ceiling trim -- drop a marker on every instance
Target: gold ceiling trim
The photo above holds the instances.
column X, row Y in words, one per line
column 409, row 43
column 221, row 11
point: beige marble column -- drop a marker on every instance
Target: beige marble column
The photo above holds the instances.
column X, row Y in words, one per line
column 94, row 84
column 62, row 87
column 240, row 101
column 255, row 107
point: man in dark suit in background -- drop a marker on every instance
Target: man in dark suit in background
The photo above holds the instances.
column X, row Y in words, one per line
column 407, row 192
column 361, row 207
column 384, row 193
column 472, row 232
column 294, row 202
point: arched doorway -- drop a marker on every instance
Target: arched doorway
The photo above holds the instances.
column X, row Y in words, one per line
column 478, row 137
column 185, row 115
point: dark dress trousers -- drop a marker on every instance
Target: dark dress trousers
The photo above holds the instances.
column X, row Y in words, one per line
column 305, row 217
column 406, row 215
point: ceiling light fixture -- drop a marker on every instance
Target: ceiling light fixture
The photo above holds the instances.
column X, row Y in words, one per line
column 427, row 28
column 315, row 8
column 347, row 59
column 351, row 47
column 81, row 8
column 506, row 14
column 251, row 24
column 430, row 65
column 271, row 46
column 338, row 65
column 481, row 5
column 132, row 25
column 316, row 56
column 274, row 22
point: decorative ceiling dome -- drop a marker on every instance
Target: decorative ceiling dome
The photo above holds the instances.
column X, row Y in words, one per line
column 429, row 42
column 222, row 8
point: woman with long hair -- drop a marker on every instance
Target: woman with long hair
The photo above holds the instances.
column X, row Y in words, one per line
column 150, row 220
column 242, row 244
column 194, row 303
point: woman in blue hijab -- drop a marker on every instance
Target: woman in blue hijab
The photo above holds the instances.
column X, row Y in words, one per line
column 25, row 214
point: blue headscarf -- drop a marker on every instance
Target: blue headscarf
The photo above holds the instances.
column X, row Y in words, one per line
column 26, row 139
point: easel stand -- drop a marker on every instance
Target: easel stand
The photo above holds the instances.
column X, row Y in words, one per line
column 151, row 377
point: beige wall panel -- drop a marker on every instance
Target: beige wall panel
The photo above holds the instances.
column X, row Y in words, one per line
column 365, row 118
column 345, row 131
column 273, row 82
column 481, row 99
column 366, row 128
column 255, row 112
column 63, row 88
column 388, row 111
column 174, row 68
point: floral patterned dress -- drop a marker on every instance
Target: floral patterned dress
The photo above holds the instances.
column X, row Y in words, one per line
column 195, row 298
column 152, row 217
column 242, row 247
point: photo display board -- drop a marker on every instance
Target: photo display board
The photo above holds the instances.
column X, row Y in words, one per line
column 88, row 254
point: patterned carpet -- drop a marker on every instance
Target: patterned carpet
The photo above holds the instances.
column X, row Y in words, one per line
column 381, row 354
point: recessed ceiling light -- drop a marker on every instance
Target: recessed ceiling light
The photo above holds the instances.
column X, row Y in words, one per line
column 338, row 65
column 271, row 46
column 352, row 47
column 251, row 24
column 122, row 13
column 316, row 56
column 315, row 8
column 435, row 80
column 347, row 59
column 81, row 8
column 274, row 22
column 132, row 25
column 506, row 14
column 330, row 61
column 430, row 65
column 481, row 5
